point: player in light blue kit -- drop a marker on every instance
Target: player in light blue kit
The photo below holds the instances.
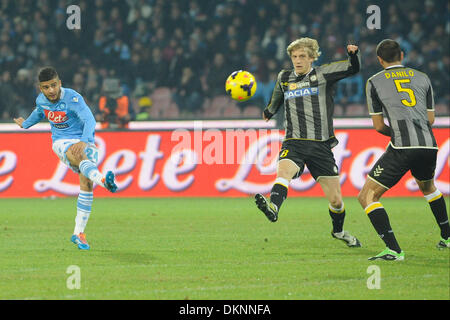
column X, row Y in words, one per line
column 73, row 128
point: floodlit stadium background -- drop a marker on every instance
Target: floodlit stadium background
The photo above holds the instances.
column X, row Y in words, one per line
column 152, row 44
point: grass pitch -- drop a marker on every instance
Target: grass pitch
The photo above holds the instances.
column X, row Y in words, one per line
column 224, row 249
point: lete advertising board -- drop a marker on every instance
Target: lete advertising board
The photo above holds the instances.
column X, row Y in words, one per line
column 198, row 163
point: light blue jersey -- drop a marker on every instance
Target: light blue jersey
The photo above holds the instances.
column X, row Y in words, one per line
column 70, row 117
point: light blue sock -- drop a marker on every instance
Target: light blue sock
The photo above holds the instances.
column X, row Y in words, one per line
column 84, row 205
column 90, row 171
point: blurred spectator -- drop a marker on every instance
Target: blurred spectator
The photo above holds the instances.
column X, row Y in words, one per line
column 194, row 56
column 416, row 34
column 160, row 72
column 438, row 80
column 65, row 64
column 7, row 102
column 266, row 78
column 117, row 54
column 235, row 59
column 274, row 43
column 413, row 60
column 144, row 103
column 24, row 93
column 189, row 93
column 113, row 107
column 217, row 75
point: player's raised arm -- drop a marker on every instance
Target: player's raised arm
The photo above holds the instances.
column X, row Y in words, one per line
column 35, row 117
column 341, row 69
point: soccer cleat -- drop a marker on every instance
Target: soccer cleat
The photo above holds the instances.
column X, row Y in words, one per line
column 266, row 207
column 80, row 241
column 350, row 241
column 443, row 243
column 109, row 182
column 390, row 255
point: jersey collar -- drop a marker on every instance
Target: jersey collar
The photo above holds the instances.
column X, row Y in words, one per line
column 62, row 93
column 303, row 75
column 396, row 66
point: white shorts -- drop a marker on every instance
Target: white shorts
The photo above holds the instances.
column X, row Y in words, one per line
column 61, row 146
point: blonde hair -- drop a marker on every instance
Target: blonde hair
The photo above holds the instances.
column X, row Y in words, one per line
column 311, row 46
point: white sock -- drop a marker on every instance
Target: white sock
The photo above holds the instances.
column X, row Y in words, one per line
column 284, row 182
column 339, row 234
column 90, row 171
column 84, row 205
column 336, row 210
column 433, row 196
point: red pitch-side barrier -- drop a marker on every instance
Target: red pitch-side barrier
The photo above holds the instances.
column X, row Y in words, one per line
column 208, row 163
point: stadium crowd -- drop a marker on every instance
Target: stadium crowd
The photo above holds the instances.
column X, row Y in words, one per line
column 185, row 49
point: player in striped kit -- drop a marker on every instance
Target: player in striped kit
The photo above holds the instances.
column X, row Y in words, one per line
column 73, row 127
column 405, row 96
column 307, row 95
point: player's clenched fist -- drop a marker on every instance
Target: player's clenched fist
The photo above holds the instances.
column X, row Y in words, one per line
column 352, row 48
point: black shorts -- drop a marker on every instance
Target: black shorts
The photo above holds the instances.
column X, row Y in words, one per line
column 316, row 155
column 395, row 163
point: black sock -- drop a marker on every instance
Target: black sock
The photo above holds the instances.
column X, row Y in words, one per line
column 440, row 214
column 278, row 195
column 380, row 222
column 337, row 219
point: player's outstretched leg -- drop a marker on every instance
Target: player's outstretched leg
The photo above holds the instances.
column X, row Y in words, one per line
column 277, row 196
column 266, row 207
column 109, row 182
column 90, row 170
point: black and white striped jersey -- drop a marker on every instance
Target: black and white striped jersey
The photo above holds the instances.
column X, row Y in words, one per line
column 404, row 95
column 308, row 99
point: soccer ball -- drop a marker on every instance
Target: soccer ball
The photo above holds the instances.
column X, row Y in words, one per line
column 240, row 85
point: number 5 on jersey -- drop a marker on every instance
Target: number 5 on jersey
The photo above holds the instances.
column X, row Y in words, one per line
column 412, row 97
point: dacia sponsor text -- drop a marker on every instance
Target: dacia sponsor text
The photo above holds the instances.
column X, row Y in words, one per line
column 301, row 93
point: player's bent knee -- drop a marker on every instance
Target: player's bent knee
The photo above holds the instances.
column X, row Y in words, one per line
column 286, row 170
column 336, row 204
column 74, row 159
column 335, row 201
column 368, row 196
column 426, row 187
column 286, row 174
column 362, row 198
